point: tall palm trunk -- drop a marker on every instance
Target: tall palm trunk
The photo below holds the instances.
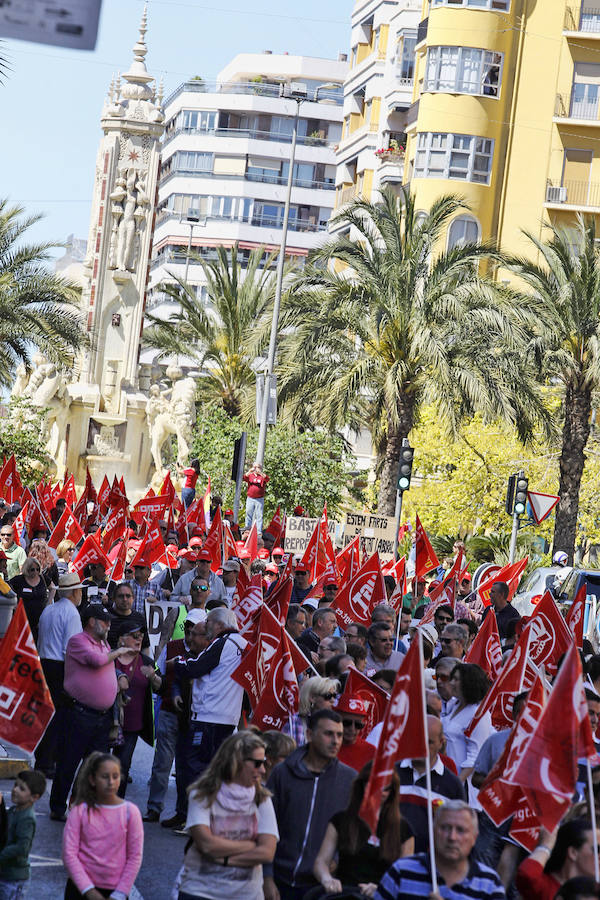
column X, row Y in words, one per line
column 576, row 430
column 388, row 483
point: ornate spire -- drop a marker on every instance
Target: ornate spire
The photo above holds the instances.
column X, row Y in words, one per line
column 137, row 78
column 161, row 92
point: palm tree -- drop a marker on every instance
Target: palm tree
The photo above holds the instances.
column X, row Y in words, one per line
column 37, row 308
column 565, row 299
column 223, row 339
column 377, row 326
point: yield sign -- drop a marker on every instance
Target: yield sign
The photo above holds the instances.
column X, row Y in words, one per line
column 541, row 505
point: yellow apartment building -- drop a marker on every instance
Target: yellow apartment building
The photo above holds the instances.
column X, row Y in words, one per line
column 506, row 112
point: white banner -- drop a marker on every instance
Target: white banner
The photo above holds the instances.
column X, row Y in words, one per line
column 376, row 533
column 298, row 531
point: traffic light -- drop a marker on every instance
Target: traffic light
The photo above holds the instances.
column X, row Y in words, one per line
column 521, row 485
column 405, row 469
column 510, row 494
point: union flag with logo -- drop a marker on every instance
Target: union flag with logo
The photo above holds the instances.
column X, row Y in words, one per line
column 356, row 600
column 425, row 558
column 486, row 650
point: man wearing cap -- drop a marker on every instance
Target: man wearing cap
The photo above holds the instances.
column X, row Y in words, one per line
column 302, row 584
column 90, row 687
column 355, row 751
column 201, row 570
column 257, row 484
column 58, row 623
column 141, row 587
column 231, row 570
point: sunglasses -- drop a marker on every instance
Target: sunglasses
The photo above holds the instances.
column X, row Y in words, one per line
column 443, row 620
column 199, row 587
column 6, row 534
column 257, row 763
column 447, row 640
column 442, row 678
column 35, row 568
column 328, row 696
column 349, row 723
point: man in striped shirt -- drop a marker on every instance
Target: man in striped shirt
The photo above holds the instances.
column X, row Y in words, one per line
column 458, row 876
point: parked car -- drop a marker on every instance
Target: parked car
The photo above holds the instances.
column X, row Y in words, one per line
column 531, row 590
column 567, row 593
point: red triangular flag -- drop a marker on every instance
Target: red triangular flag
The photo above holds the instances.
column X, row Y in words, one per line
column 66, row 529
column 575, row 616
column 547, row 634
column 425, row 558
column 88, row 551
column 486, row 650
column 358, row 685
column 356, row 600
column 252, row 542
column 214, row 541
column 510, row 574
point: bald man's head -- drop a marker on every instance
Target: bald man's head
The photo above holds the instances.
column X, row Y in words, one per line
column 435, row 735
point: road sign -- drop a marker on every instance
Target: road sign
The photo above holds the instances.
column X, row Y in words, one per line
column 541, row 505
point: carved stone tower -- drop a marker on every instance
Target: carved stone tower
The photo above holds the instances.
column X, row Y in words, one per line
column 108, row 430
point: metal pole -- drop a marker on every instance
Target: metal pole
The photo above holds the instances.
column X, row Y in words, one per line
column 398, row 515
column 513, row 538
column 262, row 434
column 189, row 250
column 239, row 477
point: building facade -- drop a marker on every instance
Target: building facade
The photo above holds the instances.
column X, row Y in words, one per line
column 377, row 95
column 225, row 164
column 505, row 113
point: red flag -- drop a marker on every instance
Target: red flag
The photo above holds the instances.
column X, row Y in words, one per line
column 358, row 685
column 26, row 706
column 150, row 506
column 214, row 541
column 249, row 601
column 319, row 555
column 229, row 547
column 116, row 527
column 348, row 560
column 274, row 527
column 403, row 734
column 66, row 529
column 88, row 551
column 575, row 616
column 356, row 600
column 448, row 583
column 486, row 650
column 206, row 505
column 425, row 559
column 167, row 488
column 19, row 525
column 547, row 634
column 562, row 735
column 252, row 542
column 444, row 599
column 396, row 598
column 510, row 574
column 10, row 483
column 118, row 559
column 103, row 495
column 278, row 599
column 152, row 548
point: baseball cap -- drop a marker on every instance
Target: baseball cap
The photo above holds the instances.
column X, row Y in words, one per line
column 298, row 510
column 277, row 551
column 130, row 628
column 302, row 567
column 196, row 542
column 95, row 611
column 244, row 553
column 429, row 632
column 195, row 616
column 186, row 553
column 263, row 554
column 466, row 577
column 272, row 568
column 231, row 565
column 228, row 512
column 352, row 704
column 204, row 556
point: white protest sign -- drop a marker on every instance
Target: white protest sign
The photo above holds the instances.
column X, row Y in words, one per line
column 376, row 533
column 161, row 618
column 63, row 23
column 298, row 531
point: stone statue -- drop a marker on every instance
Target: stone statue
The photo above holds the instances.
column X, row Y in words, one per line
column 129, row 205
column 47, row 389
column 171, row 411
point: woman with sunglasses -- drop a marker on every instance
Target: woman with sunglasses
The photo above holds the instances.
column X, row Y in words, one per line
column 232, row 825
column 30, row 587
column 469, row 684
column 362, row 859
column 64, row 552
column 315, row 693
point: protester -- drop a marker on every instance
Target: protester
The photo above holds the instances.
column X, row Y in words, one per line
column 141, row 587
column 380, row 649
column 308, row 789
column 58, row 623
column 356, row 634
column 362, row 861
column 39, row 550
column 453, row 641
column 95, row 583
column 278, row 747
column 14, row 552
column 302, row 585
column 202, row 570
column 190, row 474
column 581, row 888
column 257, row 483
column 567, row 852
column 64, row 555
column 330, row 646
column 231, row 570
column 505, row 611
column 324, row 623
column 469, row 685
column 315, row 694
column 354, row 752
column 30, row 587
column 15, row 869
column 91, row 688
column 443, row 678
column 103, row 840
column 455, row 833
column 122, row 613
column 296, row 621
column 444, row 615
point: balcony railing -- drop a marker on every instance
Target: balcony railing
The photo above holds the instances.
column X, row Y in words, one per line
column 264, row 179
column 257, row 88
column 308, row 140
column 262, row 221
column 574, row 193
column 569, row 107
column 412, row 113
column 347, row 194
column 586, row 21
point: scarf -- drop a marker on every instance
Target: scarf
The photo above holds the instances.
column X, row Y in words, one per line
column 236, row 798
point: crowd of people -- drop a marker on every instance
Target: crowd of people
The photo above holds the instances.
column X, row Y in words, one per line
column 267, row 813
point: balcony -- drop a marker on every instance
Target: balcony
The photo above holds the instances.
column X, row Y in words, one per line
column 577, row 108
column 256, row 88
column 391, row 168
column 582, row 22
column 347, row 194
column 412, row 113
column 260, row 220
column 573, row 194
column 248, row 176
column 307, row 140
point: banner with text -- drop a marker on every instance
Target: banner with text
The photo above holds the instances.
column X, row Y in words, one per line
column 165, row 623
column 376, row 533
column 298, row 531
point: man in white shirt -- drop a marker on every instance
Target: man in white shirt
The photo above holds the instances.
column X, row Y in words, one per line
column 58, row 623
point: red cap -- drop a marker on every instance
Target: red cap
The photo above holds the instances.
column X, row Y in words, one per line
column 96, row 560
column 204, row 556
column 172, row 548
column 263, row 554
column 356, row 706
column 142, row 561
column 228, row 512
column 198, row 531
column 278, row 550
column 302, row 567
column 196, row 542
column 331, row 581
column 134, row 545
column 240, row 545
column 244, row 554
column 186, row 553
column 272, row 568
column 298, row 510
column 466, row 577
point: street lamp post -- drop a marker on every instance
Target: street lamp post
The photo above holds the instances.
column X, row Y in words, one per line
column 299, row 93
column 192, row 218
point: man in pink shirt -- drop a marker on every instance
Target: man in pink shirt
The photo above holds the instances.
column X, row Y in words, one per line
column 257, row 482
column 90, row 688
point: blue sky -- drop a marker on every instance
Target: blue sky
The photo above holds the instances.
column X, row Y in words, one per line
column 52, row 99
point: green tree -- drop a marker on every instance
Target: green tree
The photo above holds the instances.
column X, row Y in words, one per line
column 21, row 433
column 564, row 297
column 379, row 325
column 220, row 335
column 309, row 468
column 37, row 308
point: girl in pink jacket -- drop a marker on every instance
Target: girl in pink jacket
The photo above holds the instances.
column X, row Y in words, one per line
column 103, row 840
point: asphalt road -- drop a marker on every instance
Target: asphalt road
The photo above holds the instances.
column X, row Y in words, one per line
column 163, row 850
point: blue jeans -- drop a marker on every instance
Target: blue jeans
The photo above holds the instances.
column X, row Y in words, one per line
column 84, row 730
column 167, row 733
column 13, row 890
column 188, row 495
column 254, row 512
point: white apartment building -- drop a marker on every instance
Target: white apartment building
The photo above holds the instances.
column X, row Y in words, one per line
column 377, row 94
column 225, row 161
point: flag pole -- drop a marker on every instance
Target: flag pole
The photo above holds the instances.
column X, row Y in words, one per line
column 593, row 818
column 527, row 657
column 434, row 883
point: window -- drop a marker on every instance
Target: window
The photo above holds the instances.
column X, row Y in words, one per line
column 406, row 63
column 463, row 70
column 193, row 161
column 459, row 156
column 478, row 4
column 463, row 230
column 197, row 120
column 260, row 169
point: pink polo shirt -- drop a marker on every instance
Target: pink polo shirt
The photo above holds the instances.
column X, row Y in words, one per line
column 90, row 676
